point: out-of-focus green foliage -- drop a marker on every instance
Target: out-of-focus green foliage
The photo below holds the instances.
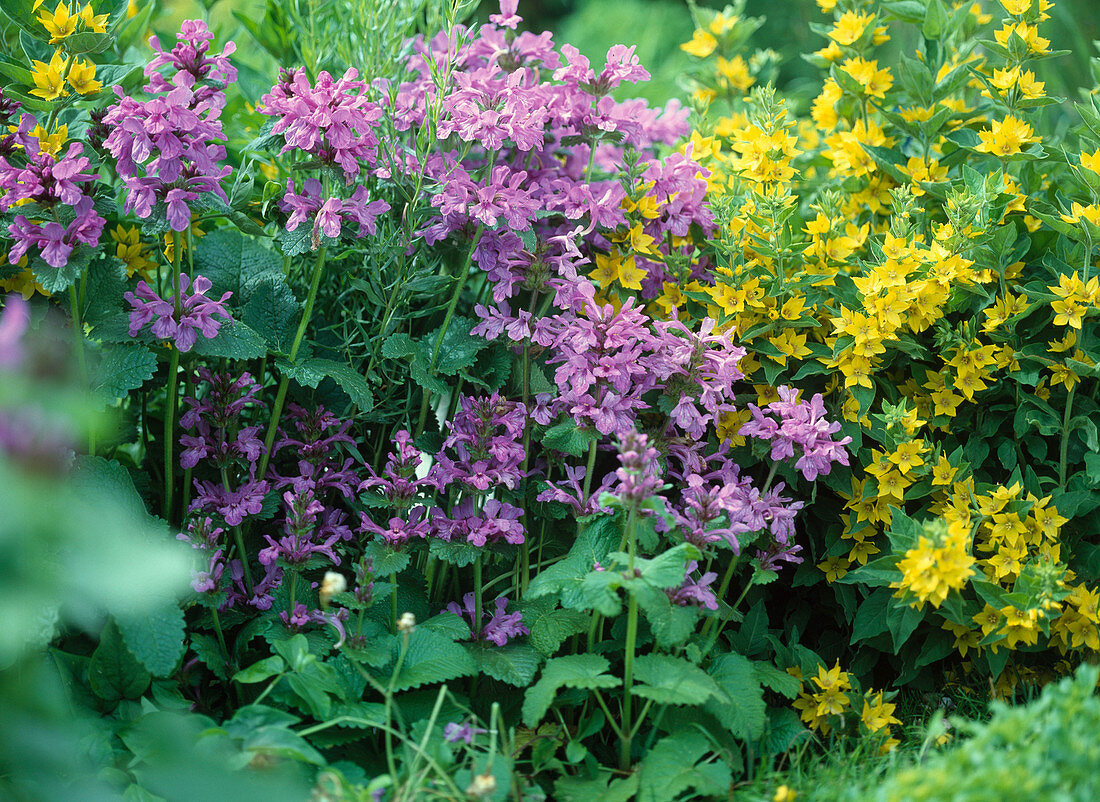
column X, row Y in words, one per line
column 1039, row 751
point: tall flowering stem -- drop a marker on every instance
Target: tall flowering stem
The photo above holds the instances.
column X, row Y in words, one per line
column 629, row 647
column 464, row 273
column 280, row 396
column 173, row 392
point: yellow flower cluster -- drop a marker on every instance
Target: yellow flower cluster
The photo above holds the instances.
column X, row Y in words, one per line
column 830, row 696
column 50, row 78
column 940, row 563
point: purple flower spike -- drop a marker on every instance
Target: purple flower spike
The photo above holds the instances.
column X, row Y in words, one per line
column 198, row 314
column 797, row 423
column 501, row 626
column 13, row 322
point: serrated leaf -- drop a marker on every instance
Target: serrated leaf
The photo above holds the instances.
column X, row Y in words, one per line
column 743, row 714
column 671, row 624
column 569, row 438
column 235, row 263
column 58, row 279
column 155, row 636
column 124, row 367
column 673, row 766
column 270, row 309
column 567, row 574
column 233, row 341
column 514, row 664
column 206, row 648
column 459, row 348
column 673, row 681
column 432, row 657
column 551, row 627
column 348, row 379
column 261, row 670
column 573, row 671
column 114, row 673
column 776, row 679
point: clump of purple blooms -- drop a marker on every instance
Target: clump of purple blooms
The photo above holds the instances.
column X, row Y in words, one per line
column 178, row 320
column 168, row 148
column 789, row 422
column 58, row 186
column 501, row 626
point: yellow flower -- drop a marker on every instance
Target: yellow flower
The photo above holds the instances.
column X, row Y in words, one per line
column 849, row 28
column 940, row 563
column 50, row 143
column 1028, row 33
column 875, row 82
column 1006, row 138
column 97, row 22
column 82, row 78
column 48, row 83
column 1091, row 161
column 614, row 267
column 702, row 44
column 132, row 252
column 834, row 568
column 878, row 715
column 784, row 794
column 60, row 24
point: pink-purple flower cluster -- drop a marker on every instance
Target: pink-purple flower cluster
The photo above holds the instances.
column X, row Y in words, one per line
column 180, row 322
column 59, row 186
column 333, row 122
column 790, row 422
column 501, row 626
column 167, row 149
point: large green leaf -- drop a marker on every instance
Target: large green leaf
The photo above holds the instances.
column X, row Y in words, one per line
column 550, row 626
column 567, row 574
column 673, row 766
column 432, row 657
column 270, row 311
column 233, row 341
column 573, row 671
column 114, row 673
column 673, row 681
column 743, row 711
column 124, row 367
column 514, row 664
column 155, row 635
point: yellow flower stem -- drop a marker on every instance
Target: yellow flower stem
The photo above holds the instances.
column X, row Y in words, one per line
column 1064, row 448
column 57, row 109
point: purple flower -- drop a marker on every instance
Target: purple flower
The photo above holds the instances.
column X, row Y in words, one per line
column 233, row 505
column 333, row 121
column 639, row 473
column 453, row 733
column 13, row 322
column 695, row 592
column 801, row 424
column 501, row 626
column 197, row 312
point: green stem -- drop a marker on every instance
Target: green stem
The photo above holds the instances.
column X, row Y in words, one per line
column 220, row 634
column 631, row 643
column 589, row 470
column 78, row 348
column 1063, row 452
column 390, row 762
column 238, row 537
column 280, row 396
column 170, row 429
column 464, row 273
column 478, row 590
column 393, row 601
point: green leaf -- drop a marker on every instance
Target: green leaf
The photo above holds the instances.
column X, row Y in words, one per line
column 348, row 379
column 432, row 657
column 673, row 681
column 672, row 624
column 667, row 570
column 573, row 671
column 870, row 618
column 206, row 648
column 673, row 766
column 233, row 341
column 567, row 574
column 124, row 367
column 743, row 714
column 270, row 309
column 776, row 679
column 459, row 348
column 455, row 552
column 114, row 673
column 155, row 635
column 550, row 626
column 515, row 664
column 261, row 670
column 569, row 438
column 236, row 263
column 102, row 476
column 901, row 620
column 402, row 346
column 56, row 280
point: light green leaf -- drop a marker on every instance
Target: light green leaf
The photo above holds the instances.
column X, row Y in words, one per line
column 743, row 712
column 572, row 671
column 114, row 673
column 155, row 635
column 673, row 681
column 673, row 766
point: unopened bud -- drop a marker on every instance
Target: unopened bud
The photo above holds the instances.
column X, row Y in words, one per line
column 482, row 785
column 332, row 585
column 406, row 623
